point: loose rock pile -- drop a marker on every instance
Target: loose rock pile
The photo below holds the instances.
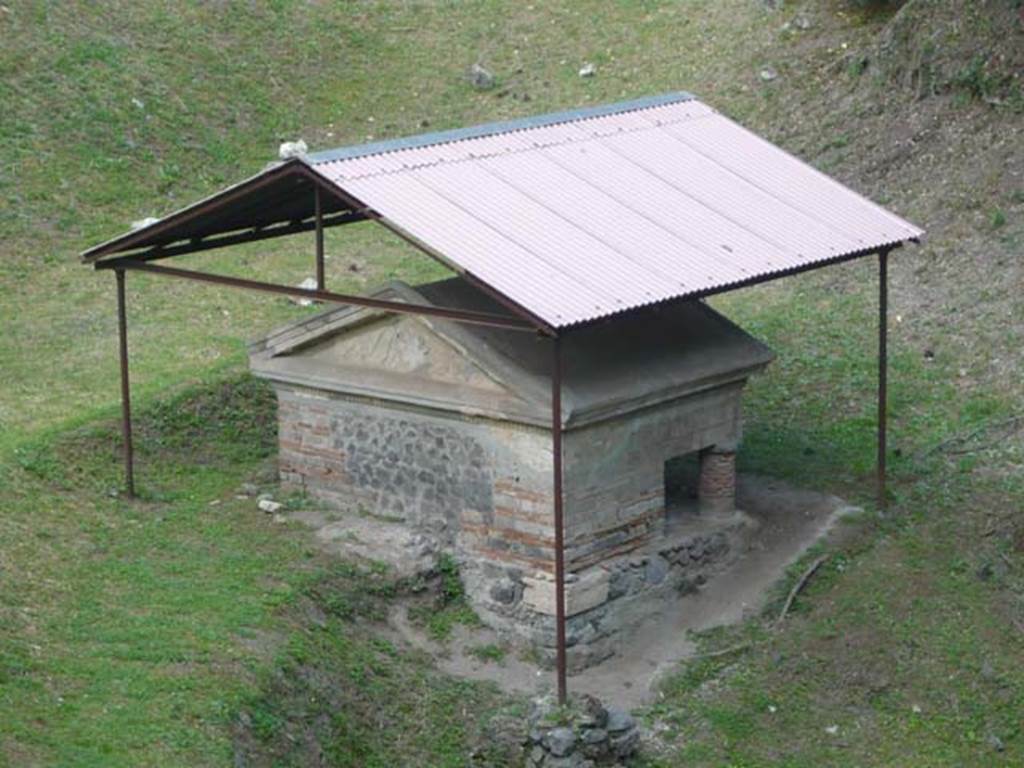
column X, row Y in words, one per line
column 583, row 734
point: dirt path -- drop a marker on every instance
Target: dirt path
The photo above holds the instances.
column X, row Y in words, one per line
column 788, row 522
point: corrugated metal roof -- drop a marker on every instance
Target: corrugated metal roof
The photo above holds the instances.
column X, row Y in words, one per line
column 573, row 216
column 489, row 129
column 583, row 215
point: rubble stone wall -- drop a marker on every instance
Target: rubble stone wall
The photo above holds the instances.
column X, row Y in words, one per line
column 602, row 599
column 480, row 484
column 483, row 489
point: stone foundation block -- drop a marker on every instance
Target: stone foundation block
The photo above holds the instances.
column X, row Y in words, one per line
column 582, row 591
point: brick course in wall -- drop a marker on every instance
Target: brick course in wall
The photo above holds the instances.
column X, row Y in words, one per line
column 437, row 472
column 443, row 432
column 615, row 470
column 483, row 488
column 717, row 483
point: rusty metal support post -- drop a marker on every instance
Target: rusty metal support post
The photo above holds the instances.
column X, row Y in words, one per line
column 556, row 438
column 320, row 279
column 126, row 402
column 883, row 365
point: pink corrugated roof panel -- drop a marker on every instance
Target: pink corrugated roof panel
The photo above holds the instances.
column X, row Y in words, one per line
column 588, row 217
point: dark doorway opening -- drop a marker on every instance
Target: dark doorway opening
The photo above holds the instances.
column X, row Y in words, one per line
column 682, row 478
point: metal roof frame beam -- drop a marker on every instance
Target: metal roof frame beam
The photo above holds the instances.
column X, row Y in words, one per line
column 446, row 313
column 294, row 167
column 124, row 242
column 223, row 241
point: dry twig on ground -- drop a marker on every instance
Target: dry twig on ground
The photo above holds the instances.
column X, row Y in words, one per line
column 798, row 587
column 961, row 439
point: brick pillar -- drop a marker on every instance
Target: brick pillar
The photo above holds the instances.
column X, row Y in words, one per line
column 716, row 488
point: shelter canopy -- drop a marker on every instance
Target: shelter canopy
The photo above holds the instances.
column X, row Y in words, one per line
column 571, row 217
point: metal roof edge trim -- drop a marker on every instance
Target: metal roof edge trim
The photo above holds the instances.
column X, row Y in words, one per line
column 736, row 285
column 125, row 240
column 492, row 129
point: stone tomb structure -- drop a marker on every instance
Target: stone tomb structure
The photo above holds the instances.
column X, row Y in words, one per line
column 443, row 430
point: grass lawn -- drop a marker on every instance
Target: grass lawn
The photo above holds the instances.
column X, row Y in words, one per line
column 187, row 628
column 905, row 646
column 138, row 632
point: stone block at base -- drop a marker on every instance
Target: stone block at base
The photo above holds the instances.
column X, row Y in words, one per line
column 582, row 592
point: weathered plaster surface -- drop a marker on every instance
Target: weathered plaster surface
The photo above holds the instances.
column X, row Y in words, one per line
column 447, row 432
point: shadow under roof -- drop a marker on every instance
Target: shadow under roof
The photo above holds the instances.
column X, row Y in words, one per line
column 572, row 216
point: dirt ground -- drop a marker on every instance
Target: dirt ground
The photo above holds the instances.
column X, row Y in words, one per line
column 784, row 523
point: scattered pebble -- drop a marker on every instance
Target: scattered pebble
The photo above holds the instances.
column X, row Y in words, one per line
column 916, row 709
column 268, row 506
column 309, row 284
column 768, row 74
column 289, row 149
column 585, row 733
column 832, row 730
column 481, row 78
column 560, row 741
column 588, row 70
column 995, row 742
column 139, row 104
column 619, row 720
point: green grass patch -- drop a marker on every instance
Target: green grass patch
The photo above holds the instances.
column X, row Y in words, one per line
column 488, row 653
column 143, row 630
column 184, row 628
column 450, row 607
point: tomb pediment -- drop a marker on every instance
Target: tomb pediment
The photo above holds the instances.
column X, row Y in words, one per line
column 681, row 349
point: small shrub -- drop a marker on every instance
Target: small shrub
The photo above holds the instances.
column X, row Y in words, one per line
column 452, row 590
column 875, row 6
column 977, row 80
column 857, row 66
column 451, row 607
column 39, row 459
column 489, row 652
column 265, row 723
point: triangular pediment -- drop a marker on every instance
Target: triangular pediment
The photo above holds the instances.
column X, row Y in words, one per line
column 402, row 346
column 404, row 358
column 609, row 369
